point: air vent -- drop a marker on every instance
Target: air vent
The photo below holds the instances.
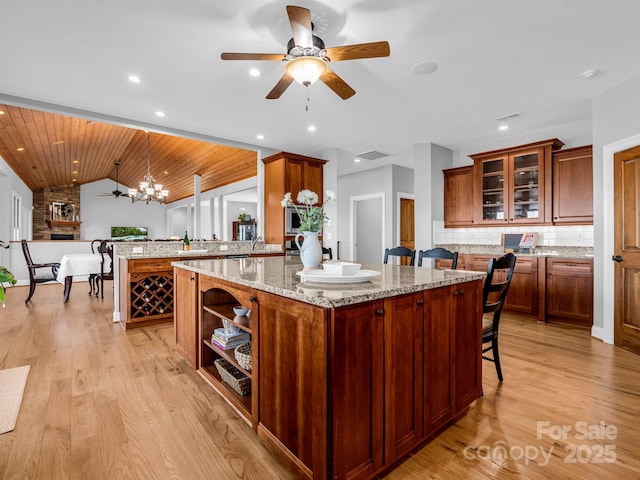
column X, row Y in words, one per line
column 506, row 117
column 372, row 155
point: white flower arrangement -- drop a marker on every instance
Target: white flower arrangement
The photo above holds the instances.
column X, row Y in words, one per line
column 312, row 218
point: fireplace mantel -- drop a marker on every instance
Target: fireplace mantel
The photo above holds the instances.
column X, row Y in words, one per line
column 63, row 223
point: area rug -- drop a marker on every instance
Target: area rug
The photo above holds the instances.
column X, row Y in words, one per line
column 12, row 383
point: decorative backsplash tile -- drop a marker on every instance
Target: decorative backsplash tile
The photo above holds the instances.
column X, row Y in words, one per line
column 552, row 236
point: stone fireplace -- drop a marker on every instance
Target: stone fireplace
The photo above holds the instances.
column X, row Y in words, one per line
column 56, row 211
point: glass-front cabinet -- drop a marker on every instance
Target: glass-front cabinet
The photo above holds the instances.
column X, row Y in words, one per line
column 514, row 184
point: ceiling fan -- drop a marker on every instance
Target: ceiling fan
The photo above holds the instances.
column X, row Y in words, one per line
column 116, row 193
column 307, row 58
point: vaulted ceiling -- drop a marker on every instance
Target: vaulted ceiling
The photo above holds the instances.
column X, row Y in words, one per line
column 46, row 150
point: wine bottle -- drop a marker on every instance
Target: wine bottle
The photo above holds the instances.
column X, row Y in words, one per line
column 187, row 246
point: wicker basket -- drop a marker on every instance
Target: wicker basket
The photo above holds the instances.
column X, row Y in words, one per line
column 243, row 355
column 233, row 377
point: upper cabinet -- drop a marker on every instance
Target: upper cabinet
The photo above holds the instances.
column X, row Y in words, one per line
column 458, row 197
column 287, row 172
column 573, row 185
column 513, row 185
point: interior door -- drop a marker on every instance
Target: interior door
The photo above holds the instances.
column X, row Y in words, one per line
column 407, row 226
column 627, row 249
column 368, row 230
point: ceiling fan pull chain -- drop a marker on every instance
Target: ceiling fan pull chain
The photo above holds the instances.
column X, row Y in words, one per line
column 306, row 107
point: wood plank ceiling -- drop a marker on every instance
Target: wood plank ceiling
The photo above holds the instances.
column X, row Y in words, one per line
column 47, row 150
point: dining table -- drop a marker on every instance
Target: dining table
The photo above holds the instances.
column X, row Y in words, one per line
column 73, row 264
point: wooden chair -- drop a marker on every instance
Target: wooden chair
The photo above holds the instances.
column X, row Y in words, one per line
column 402, row 252
column 34, row 276
column 327, row 251
column 494, row 293
column 106, row 264
column 93, row 277
column 439, row 253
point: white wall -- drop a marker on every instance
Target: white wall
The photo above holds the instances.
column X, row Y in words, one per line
column 100, row 213
column 615, row 118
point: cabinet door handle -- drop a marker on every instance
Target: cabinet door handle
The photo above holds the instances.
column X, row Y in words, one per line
column 420, row 301
column 192, row 278
column 459, row 292
column 616, row 258
column 253, row 298
column 380, row 312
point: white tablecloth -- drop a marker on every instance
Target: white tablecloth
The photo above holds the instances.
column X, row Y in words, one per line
column 78, row 264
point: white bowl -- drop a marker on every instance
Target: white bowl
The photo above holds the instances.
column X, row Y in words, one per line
column 342, row 269
column 240, row 310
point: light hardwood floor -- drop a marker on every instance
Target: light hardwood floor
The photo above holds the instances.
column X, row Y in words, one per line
column 104, row 403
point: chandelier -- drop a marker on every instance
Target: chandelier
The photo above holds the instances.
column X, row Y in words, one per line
column 149, row 189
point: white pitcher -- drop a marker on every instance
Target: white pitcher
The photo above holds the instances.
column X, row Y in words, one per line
column 310, row 249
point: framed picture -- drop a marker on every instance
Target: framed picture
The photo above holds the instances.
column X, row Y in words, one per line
column 63, row 211
column 56, row 210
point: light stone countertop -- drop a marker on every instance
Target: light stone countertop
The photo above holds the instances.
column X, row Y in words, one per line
column 277, row 275
column 540, row 251
column 162, row 249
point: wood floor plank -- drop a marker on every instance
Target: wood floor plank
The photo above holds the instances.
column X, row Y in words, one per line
column 105, row 403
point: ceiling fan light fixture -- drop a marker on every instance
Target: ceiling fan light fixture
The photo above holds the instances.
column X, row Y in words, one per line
column 306, row 70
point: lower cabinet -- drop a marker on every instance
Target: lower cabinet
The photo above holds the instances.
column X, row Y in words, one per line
column 146, row 291
column 185, row 315
column 569, row 291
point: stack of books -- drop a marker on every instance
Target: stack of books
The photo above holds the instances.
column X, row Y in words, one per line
column 221, row 338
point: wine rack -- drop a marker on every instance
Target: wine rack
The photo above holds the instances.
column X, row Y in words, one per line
column 151, row 294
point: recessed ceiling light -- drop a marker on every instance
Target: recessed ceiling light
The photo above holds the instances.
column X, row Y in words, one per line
column 75, row 180
column 2, row 112
column 20, row 149
column 590, row 73
column 134, row 79
column 357, row 160
column 160, row 114
column 75, row 161
column 260, row 136
column 58, row 142
column 503, row 127
column 311, row 128
column 254, row 72
column 74, row 172
column 424, row 68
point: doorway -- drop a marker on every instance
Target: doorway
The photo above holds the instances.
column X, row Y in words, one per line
column 406, row 224
column 367, row 228
column 627, row 249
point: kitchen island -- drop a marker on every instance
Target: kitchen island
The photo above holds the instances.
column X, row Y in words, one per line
column 345, row 380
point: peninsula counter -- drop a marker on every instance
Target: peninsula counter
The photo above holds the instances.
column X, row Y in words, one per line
column 345, row 379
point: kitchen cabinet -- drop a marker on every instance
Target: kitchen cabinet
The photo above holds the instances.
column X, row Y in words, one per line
column 287, row 172
column 185, row 313
column 146, row 291
column 218, row 298
column 573, row 186
column 569, row 291
column 513, row 185
column 458, row 197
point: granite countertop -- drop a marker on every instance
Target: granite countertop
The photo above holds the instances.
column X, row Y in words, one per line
column 130, row 250
column 540, row 251
column 277, row 275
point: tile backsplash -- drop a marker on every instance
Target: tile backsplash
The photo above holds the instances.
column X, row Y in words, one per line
column 565, row 236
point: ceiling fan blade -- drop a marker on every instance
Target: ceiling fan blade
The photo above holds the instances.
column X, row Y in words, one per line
column 252, row 56
column 280, row 87
column 361, row 50
column 335, row 83
column 300, row 19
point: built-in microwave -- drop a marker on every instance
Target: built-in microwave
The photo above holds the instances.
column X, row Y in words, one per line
column 291, row 221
